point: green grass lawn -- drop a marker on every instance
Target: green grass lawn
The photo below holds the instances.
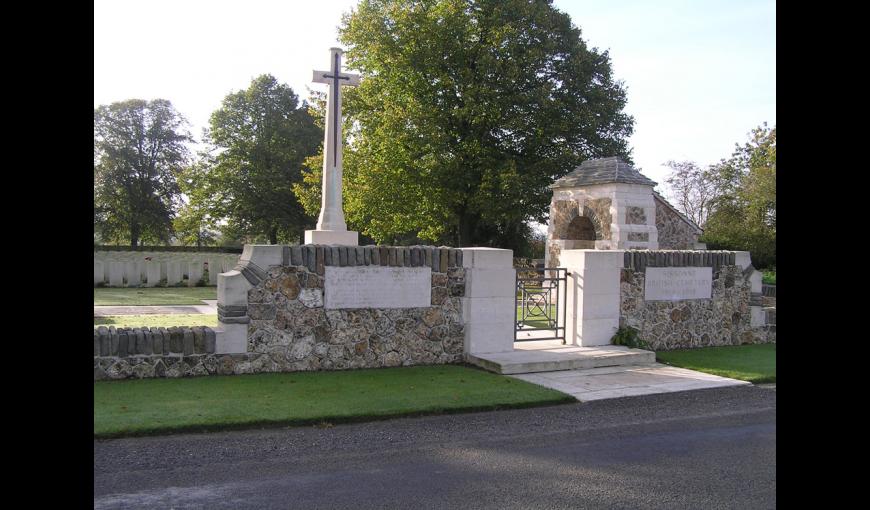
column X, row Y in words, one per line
column 156, row 321
column 153, row 296
column 536, row 322
column 753, row 363
column 155, row 406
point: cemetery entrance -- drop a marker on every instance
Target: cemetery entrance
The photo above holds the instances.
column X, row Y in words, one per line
column 540, row 304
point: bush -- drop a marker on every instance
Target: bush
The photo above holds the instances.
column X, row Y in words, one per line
column 203, row 282
column 627, row 336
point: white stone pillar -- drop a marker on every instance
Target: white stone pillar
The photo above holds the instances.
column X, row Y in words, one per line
column 592, row 300
column 489, row 307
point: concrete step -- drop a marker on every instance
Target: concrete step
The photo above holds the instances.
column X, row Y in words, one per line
column 529, row 359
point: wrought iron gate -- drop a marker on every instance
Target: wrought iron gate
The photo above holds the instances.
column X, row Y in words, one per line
column 540, row 304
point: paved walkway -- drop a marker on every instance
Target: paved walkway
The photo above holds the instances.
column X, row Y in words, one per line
column 626, row 381
column 103, row 311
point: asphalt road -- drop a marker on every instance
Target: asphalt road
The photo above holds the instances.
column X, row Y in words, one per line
column 705, row 449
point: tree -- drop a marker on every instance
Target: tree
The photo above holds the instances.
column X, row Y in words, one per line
column 259, row 139
column 193, row 225
column 691, row 190
column 467, row 112
column 743, row 214
column 139, row 147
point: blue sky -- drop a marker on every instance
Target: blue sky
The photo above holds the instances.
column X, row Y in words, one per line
column 700, row 75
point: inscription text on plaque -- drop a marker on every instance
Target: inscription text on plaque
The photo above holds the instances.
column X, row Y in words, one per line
column 678, row 283
column 377, row 287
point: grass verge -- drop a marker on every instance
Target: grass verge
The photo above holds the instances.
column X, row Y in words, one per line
column 147, row 296
column 162, row 406
column 753, row 363
column 156, row 321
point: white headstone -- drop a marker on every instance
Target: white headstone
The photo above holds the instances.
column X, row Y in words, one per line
column 140, row 267
column 173, row 273
column 153, row 273
column 116, row 274
column 194, row 273
column 131, row 274
column 214, row 269
column 99, row 272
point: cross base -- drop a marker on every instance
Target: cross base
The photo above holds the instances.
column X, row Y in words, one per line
column 332, row 237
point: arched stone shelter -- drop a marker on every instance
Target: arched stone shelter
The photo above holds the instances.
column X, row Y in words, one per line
column 606, row 204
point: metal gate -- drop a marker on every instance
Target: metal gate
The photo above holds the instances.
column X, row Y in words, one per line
column 540, row 304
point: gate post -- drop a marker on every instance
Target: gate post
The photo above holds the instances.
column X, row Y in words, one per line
column 488, row 308
column 592, row 298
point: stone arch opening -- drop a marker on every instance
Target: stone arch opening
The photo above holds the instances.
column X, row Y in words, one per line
column 581, row 228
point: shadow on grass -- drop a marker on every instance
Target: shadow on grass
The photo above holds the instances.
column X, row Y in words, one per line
column 326, row 421
column 339, row 394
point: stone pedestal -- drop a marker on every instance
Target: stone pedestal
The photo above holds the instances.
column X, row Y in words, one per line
column 332, row 237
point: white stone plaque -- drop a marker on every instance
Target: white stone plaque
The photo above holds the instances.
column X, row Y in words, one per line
column 377, row 287
column 678, row 283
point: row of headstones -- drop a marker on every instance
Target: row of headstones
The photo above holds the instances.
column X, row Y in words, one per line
column 150, row 273
column 182, row 257
column 131, row 268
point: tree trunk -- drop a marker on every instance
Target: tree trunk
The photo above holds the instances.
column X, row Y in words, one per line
column 134, row 235
column 273, row 236
column 467, row 223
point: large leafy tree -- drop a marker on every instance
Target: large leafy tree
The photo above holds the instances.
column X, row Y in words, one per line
column 259, row 139
column 467, row 111
column 743, row 214
column 139, row 148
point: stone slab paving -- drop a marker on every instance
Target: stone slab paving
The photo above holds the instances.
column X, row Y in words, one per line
column 103, row 311
column 626, row 381
column 547, row 356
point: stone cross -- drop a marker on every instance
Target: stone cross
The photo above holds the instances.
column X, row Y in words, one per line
column 331, row 210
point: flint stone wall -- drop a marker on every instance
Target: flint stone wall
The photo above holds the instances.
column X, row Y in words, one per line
column 290, row 330
column 290, row 326
column 673, row 231
column 664, row 325
column 120, row 353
